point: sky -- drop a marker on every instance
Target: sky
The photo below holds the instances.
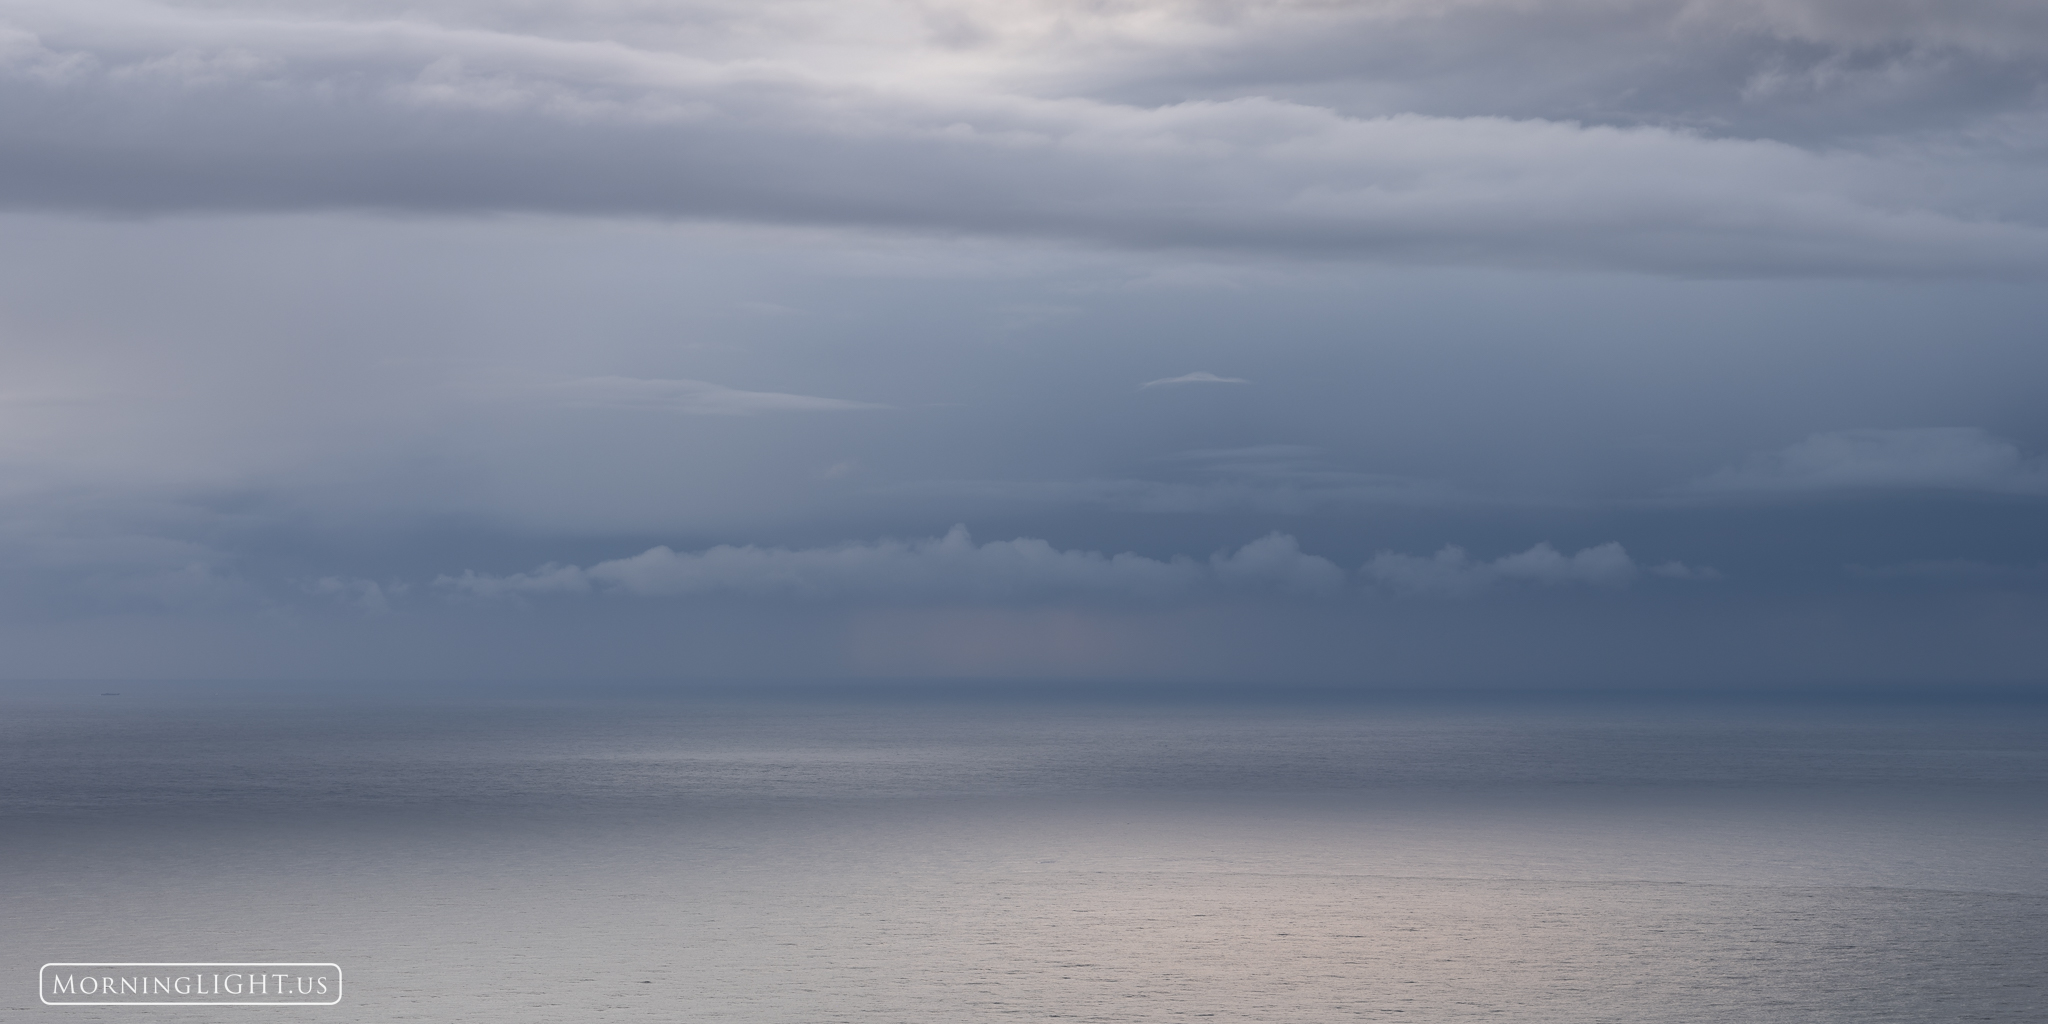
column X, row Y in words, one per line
column 1475, row 343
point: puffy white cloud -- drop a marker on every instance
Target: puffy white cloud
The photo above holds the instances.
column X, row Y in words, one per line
column 1276, row 560
column 949, row 568
column 1946, row 458
column 1453, row 572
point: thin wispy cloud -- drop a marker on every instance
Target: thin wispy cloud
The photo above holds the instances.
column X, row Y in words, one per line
column 689, row 397
column 1274, row 495
column 1280, row 479
column 1197, row 377
column 1920, row 458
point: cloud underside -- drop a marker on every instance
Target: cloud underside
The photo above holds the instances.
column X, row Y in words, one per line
column 174, row 109
column 955, row 568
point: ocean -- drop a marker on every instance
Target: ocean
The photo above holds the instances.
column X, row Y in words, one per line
column 988, row 852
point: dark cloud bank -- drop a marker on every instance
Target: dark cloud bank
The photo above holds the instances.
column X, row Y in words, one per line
column 1680, row 137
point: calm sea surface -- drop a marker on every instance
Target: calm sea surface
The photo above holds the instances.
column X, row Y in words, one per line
column 493, row 855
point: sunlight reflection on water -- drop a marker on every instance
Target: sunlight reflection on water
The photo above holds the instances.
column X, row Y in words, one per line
column 905, row 860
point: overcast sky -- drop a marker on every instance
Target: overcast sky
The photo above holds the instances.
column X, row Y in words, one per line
column 1467, row 342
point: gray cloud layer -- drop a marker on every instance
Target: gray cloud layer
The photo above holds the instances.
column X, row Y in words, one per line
column 952, row 567
column 1074, row 122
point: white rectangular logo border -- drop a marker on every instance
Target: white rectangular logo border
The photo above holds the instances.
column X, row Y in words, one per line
column 42, row 992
